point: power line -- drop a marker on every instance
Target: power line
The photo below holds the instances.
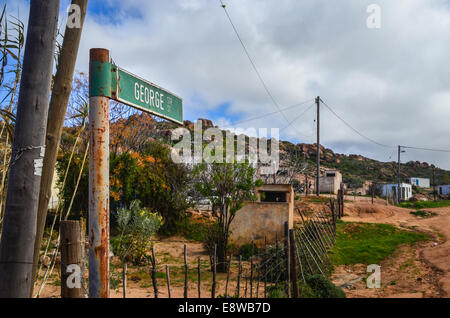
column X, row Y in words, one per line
column 426, row 149
column 354, row 129
column 253, row 64
column 296, row 118
column 268, row 114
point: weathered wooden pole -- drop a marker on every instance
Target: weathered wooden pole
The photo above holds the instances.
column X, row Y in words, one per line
column 199, row 278
column 71, row 259
column 185, row 273
column 213, row 288
column 154, row 282
column 251, row 276
column 62, row 87
column 293, row 262
column 168, row 281
column 28, row 149
column 228, row 275
column 99, row 94
column 238, row 286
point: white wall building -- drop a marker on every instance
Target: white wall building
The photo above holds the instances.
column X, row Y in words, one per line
column 420, row 182
column 443, row 190
column 391, row 190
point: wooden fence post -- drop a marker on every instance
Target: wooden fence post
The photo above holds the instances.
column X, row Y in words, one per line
column 265, row 267
column 185, row 272
column 293, row 263
column 213, row 289
column 199, row 278
column 168, row 280
column 228, row 275
column 71, row 259
column 287, row 260
column 238, row 287
column 124, row 279
column 155, row 285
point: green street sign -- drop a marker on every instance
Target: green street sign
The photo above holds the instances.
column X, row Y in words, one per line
column 111, row 81
column 146, row 96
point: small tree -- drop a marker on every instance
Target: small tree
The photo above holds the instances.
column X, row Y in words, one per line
column 227, row 186
column 137, row 226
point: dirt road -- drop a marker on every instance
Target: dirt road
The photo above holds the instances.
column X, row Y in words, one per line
column 431, row 262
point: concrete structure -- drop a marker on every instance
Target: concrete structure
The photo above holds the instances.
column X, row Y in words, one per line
column 264, row 218
column 443, row 190
column 330, row 182
column 391, row 190
column 420, row 182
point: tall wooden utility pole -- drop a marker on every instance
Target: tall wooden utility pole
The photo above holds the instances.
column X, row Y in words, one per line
column 399, row 193
column 318, row 148
column 62, row 88
column 434, row 183
column 28, row 149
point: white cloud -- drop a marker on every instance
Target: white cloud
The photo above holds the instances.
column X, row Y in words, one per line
column 390, row 83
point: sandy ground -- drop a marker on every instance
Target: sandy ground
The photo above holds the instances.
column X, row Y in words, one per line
column 422, row 270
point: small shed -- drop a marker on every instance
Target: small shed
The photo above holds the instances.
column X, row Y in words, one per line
column 420, row 182
column 390, row 190
column 443, row 190
column 264, row 219
column 330, row 182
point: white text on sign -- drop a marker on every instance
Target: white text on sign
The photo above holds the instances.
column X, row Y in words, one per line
column 148, row 96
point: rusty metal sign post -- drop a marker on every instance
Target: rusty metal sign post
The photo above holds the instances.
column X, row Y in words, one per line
column 107, row 81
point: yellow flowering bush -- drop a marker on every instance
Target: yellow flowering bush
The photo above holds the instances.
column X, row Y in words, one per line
column 137, row 226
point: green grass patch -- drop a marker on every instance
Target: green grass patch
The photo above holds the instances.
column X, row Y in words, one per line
column 423, row 214
column 367, row 243
column 419, row 205
column 316, row 199
column 194, row 230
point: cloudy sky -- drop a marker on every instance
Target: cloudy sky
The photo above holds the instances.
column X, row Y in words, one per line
column 392, row 84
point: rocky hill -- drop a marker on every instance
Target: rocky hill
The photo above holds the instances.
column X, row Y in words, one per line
column 355, row 168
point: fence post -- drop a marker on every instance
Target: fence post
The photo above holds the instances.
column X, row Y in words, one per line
column 228, row 275
column 293, row 263
column 287, row 260
column 155, row 285
column 71, row 254
column 265, row 267
column 185, row 272
column 124, row 279
column 168, row 280
column 238, row 287
column 213, row 289
column 198, row 277
column 251, row 276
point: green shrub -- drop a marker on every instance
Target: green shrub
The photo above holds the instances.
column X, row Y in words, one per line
column 322, row 287
column 137, row 226
column 248, row 250
column 276, row 292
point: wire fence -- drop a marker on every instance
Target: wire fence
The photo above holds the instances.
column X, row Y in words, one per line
column 275, row 269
